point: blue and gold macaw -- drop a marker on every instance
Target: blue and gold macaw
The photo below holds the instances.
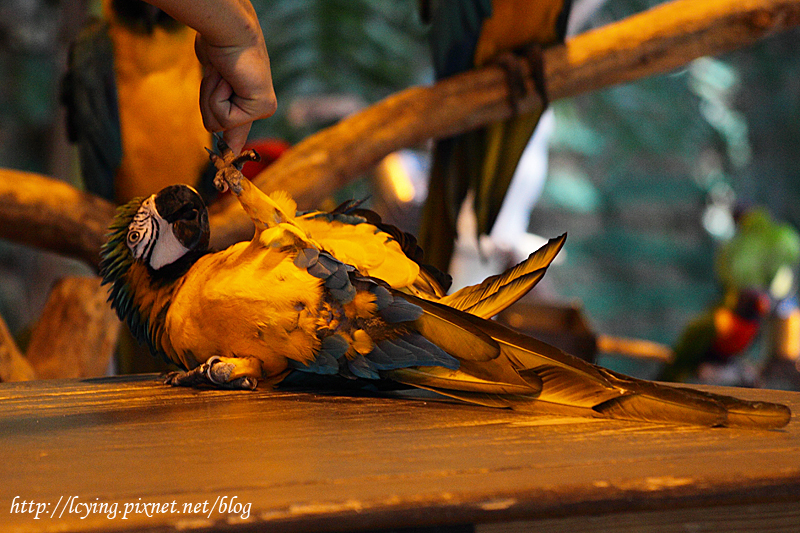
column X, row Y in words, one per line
column 333, row 294
column 131, row 94
column 466, row 34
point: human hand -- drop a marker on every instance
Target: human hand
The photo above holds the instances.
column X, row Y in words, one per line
column 236, row 88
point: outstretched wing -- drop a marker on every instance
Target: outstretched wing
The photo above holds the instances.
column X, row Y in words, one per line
column 498, row 292
column 383, row 333
column 567, row 383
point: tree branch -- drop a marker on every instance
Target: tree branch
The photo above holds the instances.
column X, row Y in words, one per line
column 655, row 41
column 50, row 214
column 13, row 366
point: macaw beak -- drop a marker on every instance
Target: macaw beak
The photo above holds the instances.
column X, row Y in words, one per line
column 183, row 208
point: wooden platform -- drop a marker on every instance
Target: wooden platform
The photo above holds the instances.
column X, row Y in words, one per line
column 308, row 462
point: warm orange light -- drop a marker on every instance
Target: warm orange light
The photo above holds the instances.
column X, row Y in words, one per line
column 396, row 174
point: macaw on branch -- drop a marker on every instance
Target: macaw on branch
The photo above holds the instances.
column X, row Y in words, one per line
column 466, row 34
column 334, row 294
column 131, row 93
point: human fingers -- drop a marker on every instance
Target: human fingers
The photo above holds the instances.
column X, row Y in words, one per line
column 236, row 137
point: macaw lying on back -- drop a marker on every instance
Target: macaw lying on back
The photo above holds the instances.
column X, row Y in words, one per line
column 467, row 34
column 334, row 294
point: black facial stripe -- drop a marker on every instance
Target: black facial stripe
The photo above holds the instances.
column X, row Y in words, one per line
column 152, row 244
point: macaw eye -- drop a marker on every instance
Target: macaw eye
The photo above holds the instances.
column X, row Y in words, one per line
column 134, row 237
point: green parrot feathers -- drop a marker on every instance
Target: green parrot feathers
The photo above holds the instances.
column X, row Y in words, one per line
column 757, row 253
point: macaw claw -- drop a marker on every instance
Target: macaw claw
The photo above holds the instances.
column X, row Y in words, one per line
column 510, row 62
column 215, row 373
column 229, row 166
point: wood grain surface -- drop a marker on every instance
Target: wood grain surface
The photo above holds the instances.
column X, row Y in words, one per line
column 316, row 462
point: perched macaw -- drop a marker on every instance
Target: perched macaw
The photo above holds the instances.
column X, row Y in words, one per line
column 131, row 93
column 719, row 335
column 466, row 34
column 333, row 294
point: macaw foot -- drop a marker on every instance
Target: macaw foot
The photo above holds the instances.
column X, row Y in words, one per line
column 240, row 373
column 512, row 64
column 229, row 166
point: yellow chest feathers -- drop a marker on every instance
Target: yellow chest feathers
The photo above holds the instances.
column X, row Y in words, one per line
column 247, row 301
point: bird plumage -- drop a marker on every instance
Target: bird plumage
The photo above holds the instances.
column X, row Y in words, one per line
column 287, row 301
column 719, row 334
column 465, row 35
column 131, row 93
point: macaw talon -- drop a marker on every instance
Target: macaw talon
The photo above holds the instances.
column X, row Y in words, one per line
column 217, row 371
column 510, row 63
column 214, row 372
column 535, row 56
column 229, row 166
column 189, row 378
column 244, row 157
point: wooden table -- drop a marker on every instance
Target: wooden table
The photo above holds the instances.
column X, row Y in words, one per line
column 308, row 462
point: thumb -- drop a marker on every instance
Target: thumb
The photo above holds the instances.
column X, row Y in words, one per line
column 236, row 137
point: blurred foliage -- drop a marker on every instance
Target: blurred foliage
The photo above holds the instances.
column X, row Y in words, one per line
column 652, row 157
column 362, row 50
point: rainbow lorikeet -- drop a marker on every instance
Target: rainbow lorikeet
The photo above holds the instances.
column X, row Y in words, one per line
column 720, row 334
column 336, row 295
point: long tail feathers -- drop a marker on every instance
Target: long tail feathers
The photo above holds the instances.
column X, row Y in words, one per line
column 498, row 292
column 502, row 368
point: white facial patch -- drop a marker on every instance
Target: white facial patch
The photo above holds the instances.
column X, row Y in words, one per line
column 150, row 237
column 143, row 229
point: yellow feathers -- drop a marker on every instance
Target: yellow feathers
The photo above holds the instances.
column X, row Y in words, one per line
column 371, row 251
column 158, row 80
column 284, row 204
column 221, row 309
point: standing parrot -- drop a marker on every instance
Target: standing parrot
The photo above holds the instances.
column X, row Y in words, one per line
column 131, row 93
column 717, row 336
column 334, row 295
column 466, row 34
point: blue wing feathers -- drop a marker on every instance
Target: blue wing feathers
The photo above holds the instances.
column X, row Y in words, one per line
column 400, row 310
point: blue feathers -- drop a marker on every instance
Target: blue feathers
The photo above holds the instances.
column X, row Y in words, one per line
column 382, row 296
column 409, row 351
column 362, row 368
column 327, row 359
column 306, row 258
column 392, row 350
column 334, row 273
column 400, row 310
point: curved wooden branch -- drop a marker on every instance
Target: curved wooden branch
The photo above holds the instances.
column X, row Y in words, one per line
column 655, row 41
column 651, row 42
column 13, row 366
column 50, row 214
